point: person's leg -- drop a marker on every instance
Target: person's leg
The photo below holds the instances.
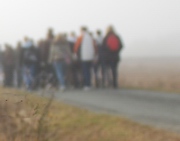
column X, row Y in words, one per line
column 75, row 72
column 84, row 73
column 10, row 76
column 26, row 76
column 33, row 73
column 68, row 75
column 113, row 66
column 5, row 72
column 59, row 69
column 79, row 73
column 86, row 67
column 85, row 77
column 89, row 64
column 95, row 68
column 103, row 72
column 19, row 79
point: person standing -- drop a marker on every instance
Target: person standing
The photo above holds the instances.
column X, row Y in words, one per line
column 1, row 67
column 112, row 45
column 30, row 61
column 101, row 58
column 8, row 65
column 18, row 64
column 59, row 57
column 86, row 50
column 75, row 65
column 44, row 49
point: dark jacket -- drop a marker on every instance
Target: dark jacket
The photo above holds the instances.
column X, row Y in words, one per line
column 8, row 58
column 30, row 56
column 19, row 57
column 44, row 50
column 107, row 54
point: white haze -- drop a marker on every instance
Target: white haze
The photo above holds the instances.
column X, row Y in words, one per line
column 147, row 27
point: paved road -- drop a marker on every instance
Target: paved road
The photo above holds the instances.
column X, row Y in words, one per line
column 160, row 110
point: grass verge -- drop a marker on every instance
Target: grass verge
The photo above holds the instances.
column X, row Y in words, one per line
column 65, row 123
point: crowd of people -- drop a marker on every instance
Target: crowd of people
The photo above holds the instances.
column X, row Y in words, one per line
column 64, row 61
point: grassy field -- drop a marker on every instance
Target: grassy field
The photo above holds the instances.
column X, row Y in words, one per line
column 153, row 74
column 40, row 119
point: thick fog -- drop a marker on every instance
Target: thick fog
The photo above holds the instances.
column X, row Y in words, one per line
column 147, row 27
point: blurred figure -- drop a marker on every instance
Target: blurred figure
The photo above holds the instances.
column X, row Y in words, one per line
column 72, row 39
column 45, row 77
column 112, row 46
column 44, row 48
column 45, row 52
column 1, row 67
column 0, row 55
column 27, row 42
column 30, row 61
column 76, row 65
column 46, row 72
column 42, row 55
column 50, row 34
column 86, row 51
column 18, row 64
column 8, row 61
column 95, row 64
column 60, row 56
column 99, row 63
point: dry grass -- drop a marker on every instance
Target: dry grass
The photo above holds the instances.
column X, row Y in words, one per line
column 155, row 74
column 61, row 122
column 22, row 119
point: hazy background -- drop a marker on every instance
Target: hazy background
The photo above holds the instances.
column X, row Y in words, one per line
column 148, row 27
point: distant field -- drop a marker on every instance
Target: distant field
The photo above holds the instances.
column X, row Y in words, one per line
column 150, row 73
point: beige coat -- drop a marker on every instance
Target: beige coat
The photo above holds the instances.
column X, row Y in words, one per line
column 60, row 51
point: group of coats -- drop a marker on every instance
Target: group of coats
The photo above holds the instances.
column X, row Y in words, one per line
column 76, row 56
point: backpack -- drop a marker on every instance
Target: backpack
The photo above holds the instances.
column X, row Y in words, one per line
column 113, row 43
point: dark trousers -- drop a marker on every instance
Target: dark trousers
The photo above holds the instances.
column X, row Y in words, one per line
column 96, row 68
column 19, row 76
column 8, row 76
column 29, row 74
column 86, row 68
column 76, row 74
column 113, row 66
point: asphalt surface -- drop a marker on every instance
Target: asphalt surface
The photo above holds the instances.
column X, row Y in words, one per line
column 161, row 110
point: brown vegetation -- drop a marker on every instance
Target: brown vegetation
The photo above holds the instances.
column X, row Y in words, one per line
column 21, row 119
column 28, row 117
column 155, row 74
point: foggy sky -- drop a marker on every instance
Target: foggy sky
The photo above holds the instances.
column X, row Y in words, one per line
column 147, row 27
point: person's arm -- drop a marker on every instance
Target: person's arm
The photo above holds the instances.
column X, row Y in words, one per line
column 76, row 48
column 120, row 43
column 103, row 46
column 77, row 44
column 95, row 51
column 95, row 47
column 69, row 51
